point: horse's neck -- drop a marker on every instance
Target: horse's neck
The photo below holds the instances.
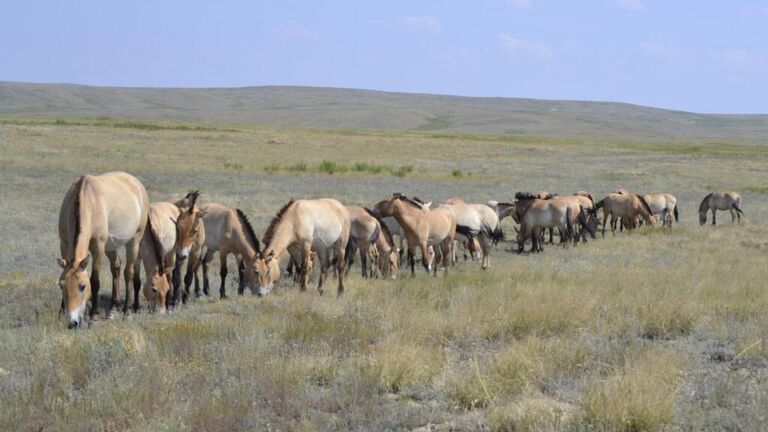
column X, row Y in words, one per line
column 383, row 244
column 404, row 215
column 282, row 238
column 84, row 222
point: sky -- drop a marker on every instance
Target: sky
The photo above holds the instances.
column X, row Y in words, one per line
column 702, row 56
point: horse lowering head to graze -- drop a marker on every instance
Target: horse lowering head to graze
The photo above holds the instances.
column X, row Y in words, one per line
column 583, row 215
column 626, row 207
column 387, row 254
column 364, row 232
column 99, row 214
column 422, row 227
column 536, row 214
column 730, row 201
column 157, row 287
column 320, row 225
column 502, row 209
column 664, row 205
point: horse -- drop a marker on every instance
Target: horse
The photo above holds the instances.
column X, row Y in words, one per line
column 535, row 214
column 158, row 285
column 663, row 204
column 482, row 221
column 502, row 209
column 173, row 233
column 303, row 226
column 99, row 214
column 422, row 228
column 626, row 207
column 192, row 250
column 730, row 201
column 583, row 215
column 364, row 231
column 228, row 231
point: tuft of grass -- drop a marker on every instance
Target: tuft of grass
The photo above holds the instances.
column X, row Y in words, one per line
column 457, row 173
column 298, row 167
column 331, row 167
column 402, row 171
column 531, row 414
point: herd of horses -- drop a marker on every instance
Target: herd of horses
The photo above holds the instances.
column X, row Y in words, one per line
column 102, row 213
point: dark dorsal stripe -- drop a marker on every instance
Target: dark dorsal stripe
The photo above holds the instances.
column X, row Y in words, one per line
column 704, row 206
column 249, row 233
column 78, row 185
column 156, row 246
column 384, row 228
column 275, row 222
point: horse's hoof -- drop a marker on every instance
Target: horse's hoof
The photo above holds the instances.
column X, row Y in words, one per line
column 112, row 315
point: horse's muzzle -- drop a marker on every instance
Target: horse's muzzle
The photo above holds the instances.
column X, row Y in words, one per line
column 73, row 324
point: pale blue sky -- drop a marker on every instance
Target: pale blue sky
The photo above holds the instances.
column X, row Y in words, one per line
column 705, row 56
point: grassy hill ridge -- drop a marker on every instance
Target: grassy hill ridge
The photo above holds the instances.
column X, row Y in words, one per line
column 350, row 108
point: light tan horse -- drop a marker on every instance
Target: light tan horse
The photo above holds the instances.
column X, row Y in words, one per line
column 536, row 214
column 157, row 287
column 482, row 221
column 386, row 254
column 626, row 207
column 99, row 215
column 228, row 231
column 173, row 232
column 730, row 201
column 583, row 215
column 371, row 237
column 190, row 219
column 664, row 205
column 422, row 228
column 303, row 226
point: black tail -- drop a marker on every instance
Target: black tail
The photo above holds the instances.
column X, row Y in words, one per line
column 677, row 216
column 568, row 224
column 496, row 235
column 466, row 232
column 736, row 207
column 584, row 225
column 599, row 205
column 349, row 250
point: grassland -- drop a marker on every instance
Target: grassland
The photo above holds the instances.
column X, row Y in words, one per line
column 653, row 330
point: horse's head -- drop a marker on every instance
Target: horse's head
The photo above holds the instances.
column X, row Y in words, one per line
column 473, row 246
column 188, row 227
column 263, row 272
column 430, row 257
column 75, row 290
column 385, row 207
column 389, row 262
column 156, row 290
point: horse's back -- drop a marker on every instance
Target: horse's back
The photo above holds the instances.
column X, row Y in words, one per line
column 162, row 215
column 323, row 220
column 216, row 220
column 119, row 206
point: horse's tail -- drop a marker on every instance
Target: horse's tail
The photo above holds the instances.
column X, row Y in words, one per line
column 677, row 216
column 497, row 235
column 736, row 207
column 348, row 251
column 466, row 232
column 584, row 224
column 599, row 204
column 568, row 224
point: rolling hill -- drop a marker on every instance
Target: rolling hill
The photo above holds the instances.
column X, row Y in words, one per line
column 348, row 108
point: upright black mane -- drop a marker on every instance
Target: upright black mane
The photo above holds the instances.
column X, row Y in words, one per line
column 704, row 201
column 78, row 185
column 523, row 196
column 275, row 221
column 249, row 234
column 155, row 246
column 410, row 201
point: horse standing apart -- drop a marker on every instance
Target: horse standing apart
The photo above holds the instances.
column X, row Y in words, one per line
column 422, row 228
column 228, row 231
column 536, row 214
column 99, row 214
column 730, row 201
column 482, row 221
column 301, row 227
column 626, row 206
column 665, row 205
column 172, row 236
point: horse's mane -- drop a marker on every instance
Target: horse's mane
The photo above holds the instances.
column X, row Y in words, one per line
column 249, row 234
column 76, row 205
column 155, row 246
column 410, row 201
column 418, row 200
column 524, row 196
column 645, row 204
column 706, row 198
column 384, row 228
column 275, row 221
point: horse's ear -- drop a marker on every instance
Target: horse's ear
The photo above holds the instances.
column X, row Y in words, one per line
column 199, row 215
column 84, row 263
column 428, row 205
column 62, row 262
column 269, row 256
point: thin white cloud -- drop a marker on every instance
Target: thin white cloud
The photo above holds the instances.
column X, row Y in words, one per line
column 631, row 5
column 296, row 30
column 519, row 4
column 738, row 59
column 429, row 23
column 520, row 46
column 654, row 49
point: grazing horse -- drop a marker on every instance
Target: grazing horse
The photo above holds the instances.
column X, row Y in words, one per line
column 157, row 287
column 536, row 214
column 730, row 201
column 364, row 231
column 502, row 209
column 626, row 207
column 301, row 227
column 191, row 248
column 665, row 205
column 423, row 228
column 173, row 233
column 228, row 231
column 99, row 214
column 583, row 215
column 482, row 221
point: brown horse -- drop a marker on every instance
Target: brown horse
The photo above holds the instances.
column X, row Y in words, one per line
column 730, row 201
column 626, row 206
column 192, row 248
column 228, row 231
column 422, row 228
column 303, row 226
column 99, row 214
column 371, row 237
column 158, row 286
column 536, row 214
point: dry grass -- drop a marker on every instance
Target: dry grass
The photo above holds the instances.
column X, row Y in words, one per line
column 651, row 330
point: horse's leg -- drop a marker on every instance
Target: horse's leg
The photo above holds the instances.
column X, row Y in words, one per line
column 176, row 283
column 714, row 222
column 364, row 258
column 425, row 255
column 223, row 273
column 131, row 256
column 136, row 285
column 446, row 249
column 340, row 263
column 411, row 259
column 323, row 259
column 733, row 215
column 190, row 275
column 207, row 260
column 485, row 246
column 240, row 275
column 306, row 256
column 114, row 268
